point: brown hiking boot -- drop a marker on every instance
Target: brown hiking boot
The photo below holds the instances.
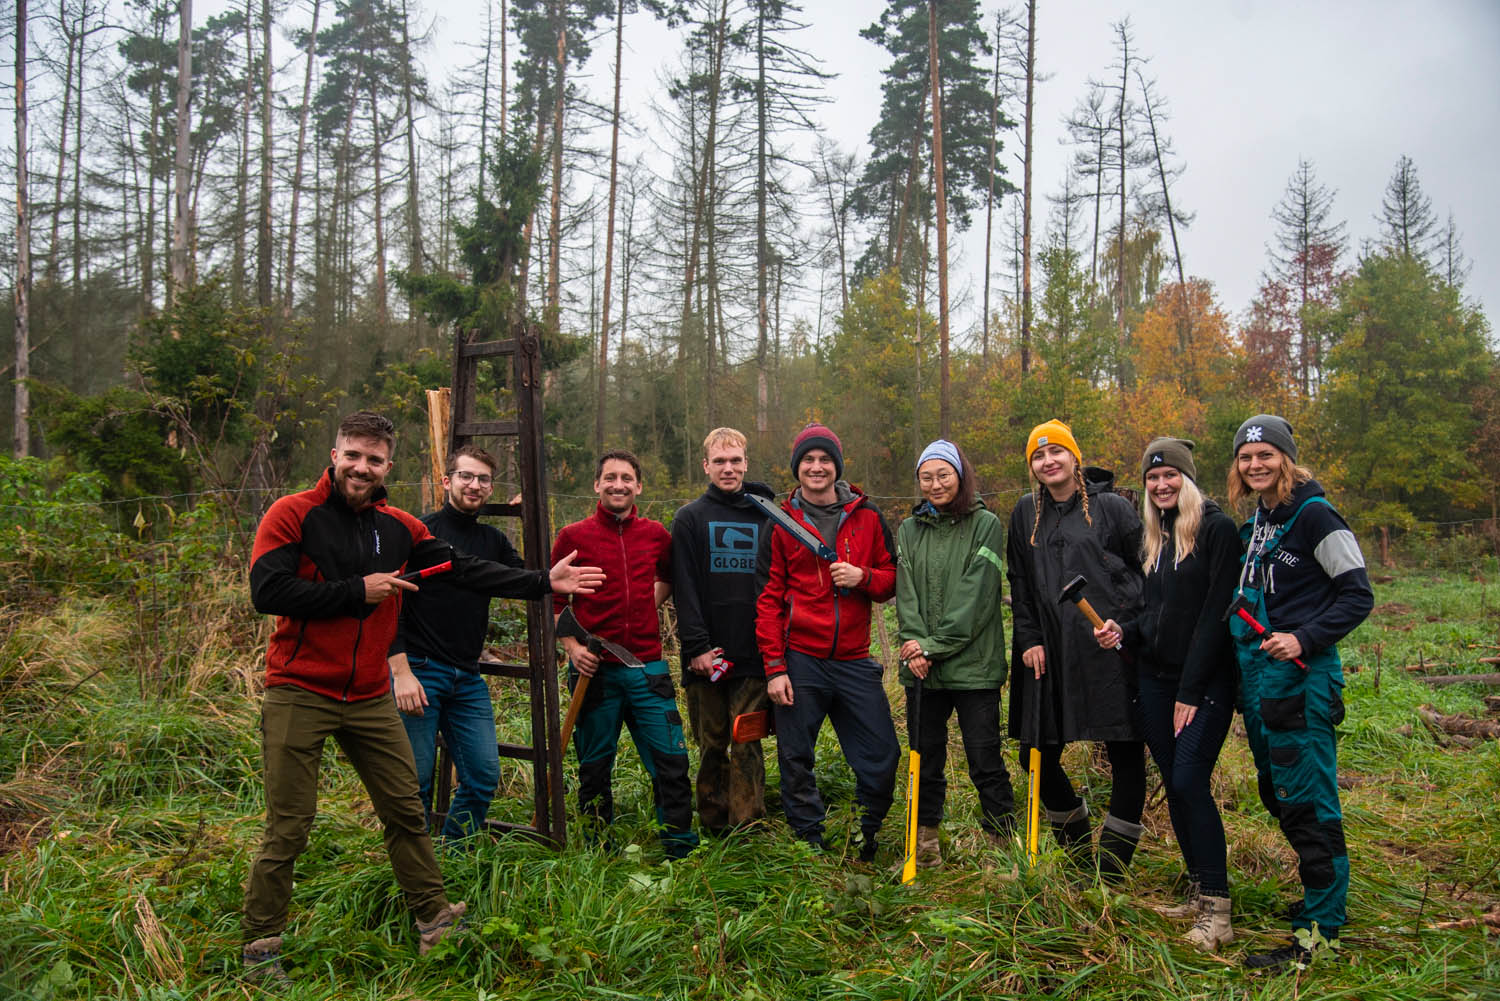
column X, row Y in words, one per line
column 261, row 962
column 929, row 848
column 1212, row 929
column 448, row 920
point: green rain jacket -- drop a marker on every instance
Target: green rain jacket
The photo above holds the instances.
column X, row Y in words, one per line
column 948, row 582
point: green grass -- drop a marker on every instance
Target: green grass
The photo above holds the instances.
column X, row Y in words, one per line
column 127, row 822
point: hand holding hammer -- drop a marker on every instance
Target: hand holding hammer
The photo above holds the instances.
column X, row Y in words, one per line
column 1073, row 591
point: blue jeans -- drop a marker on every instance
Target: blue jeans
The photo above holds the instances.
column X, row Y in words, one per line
column 458, row 703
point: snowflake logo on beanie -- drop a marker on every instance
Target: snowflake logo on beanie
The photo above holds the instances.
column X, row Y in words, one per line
column 1254, row 433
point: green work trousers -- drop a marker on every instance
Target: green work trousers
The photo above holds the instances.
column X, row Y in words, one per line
column 294, row 723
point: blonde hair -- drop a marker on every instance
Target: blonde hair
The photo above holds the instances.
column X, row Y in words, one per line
column 1184, row 532
column 1288, row 478
column 725, row 438
column 1083, row 492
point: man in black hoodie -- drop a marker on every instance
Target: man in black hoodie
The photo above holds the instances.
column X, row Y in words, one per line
column 720, row 547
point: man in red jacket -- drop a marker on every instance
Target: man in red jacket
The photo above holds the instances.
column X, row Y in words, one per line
column 636, row 554
column 326, row 563
column 813, row 627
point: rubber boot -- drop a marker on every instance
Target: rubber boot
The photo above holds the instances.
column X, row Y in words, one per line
column 1117, row 841
column 1213, row 928
column 1072, row 830
column 1189, row 906
column 929, row 848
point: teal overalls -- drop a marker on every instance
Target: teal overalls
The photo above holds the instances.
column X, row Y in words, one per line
column 1290, row 714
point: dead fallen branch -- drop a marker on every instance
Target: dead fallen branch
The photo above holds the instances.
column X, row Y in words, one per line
column 1460, row 726
column 1492, row 680
column 1489, row 920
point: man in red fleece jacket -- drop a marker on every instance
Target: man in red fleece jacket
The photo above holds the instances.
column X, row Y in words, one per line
column 326, row 563
column 813, row 627
column 636, row 554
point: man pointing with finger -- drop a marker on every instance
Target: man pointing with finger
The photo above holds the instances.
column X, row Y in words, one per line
column 326, row 563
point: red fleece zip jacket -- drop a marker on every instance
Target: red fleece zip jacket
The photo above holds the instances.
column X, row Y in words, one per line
column 634, row 553
column 312, row 552
column 799, row 608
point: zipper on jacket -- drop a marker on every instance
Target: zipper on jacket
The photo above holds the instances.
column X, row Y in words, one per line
column 625, row 563
column 359, row 632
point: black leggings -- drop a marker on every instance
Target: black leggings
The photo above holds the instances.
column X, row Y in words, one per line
column 1127, row 771
column 1186, row 762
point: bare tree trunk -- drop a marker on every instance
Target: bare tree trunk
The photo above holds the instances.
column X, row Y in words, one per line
column 62, row 143
column 762, row 239
column 554, row 223
column 263, row 251
column 377, row 140
column 690, row 273
column 182, row 223
column 1124, row 32
column 989, row 208
column 242, row 166
column 291, row 235
column 484, row 94
column 413, row 187
column 504, row 71
column 21, row 436
column 1026, row 155
column 942, row 216
column 609, row 232
column 911, row 180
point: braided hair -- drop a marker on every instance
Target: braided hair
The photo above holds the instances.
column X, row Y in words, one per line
column 1083, row 499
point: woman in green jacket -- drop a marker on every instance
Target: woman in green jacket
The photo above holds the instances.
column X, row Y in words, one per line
column 948, row 581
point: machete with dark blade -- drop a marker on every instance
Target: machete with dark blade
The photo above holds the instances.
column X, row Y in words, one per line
column 817, row 546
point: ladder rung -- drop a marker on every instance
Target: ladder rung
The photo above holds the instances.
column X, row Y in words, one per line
column 489, row 349
column 520, row 752
column 500, row 669
column 470, row 428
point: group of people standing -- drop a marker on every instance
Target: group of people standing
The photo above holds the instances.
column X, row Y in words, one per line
column 774, row 607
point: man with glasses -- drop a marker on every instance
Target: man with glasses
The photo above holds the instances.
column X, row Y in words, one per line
column 437, row 682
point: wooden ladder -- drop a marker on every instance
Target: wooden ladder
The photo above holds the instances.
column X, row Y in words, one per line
column 545, row 751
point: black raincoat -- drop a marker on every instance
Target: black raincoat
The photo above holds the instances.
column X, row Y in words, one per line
column 1086, row 692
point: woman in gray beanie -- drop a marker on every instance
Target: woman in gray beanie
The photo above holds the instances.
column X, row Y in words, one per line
column 1303, row 587
column 1185, row 668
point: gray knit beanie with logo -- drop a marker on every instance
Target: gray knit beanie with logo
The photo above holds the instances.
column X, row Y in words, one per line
column 1270, row 429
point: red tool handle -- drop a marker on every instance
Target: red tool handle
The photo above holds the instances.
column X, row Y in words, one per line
column 1260, row 630
column 425, row 572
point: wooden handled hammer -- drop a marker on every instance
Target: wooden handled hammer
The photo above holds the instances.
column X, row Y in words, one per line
column 1073, row 591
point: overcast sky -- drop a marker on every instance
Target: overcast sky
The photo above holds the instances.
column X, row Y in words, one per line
column 1251, row 87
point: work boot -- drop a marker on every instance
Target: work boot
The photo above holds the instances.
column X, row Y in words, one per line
column 1117, row 841
column 448, row 920
column 1072, row 830
column 868, row 845
column 261, row 962
column 1189, row 906
column 929, row 848
column 1212, row 929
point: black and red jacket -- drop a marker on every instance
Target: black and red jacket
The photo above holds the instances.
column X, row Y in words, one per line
column 634, row 553
column 800, row 608
column 312, row 552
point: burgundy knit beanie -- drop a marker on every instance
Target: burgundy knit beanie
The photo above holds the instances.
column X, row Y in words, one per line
column 818, row 436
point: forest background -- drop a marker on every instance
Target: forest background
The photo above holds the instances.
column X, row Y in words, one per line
column 235, row 226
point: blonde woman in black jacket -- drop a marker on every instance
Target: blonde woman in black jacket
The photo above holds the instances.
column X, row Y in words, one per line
column 1185, row 667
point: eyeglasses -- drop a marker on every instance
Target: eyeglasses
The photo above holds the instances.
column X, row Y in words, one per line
column 932, row 479
column 464, row 476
